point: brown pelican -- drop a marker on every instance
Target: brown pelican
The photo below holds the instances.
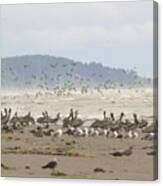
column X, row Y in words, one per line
column 54, row 121
column 112, row 117
column 44, row 118
column 67, row 120
column 101, row 123
column 76, row 122
column 48, row 132
column 27, row 119
column 122, row 152
column 151, row 131
column 5, row 117
column 131, row 127
column 15, row 122
column 141, row 124
column 116, row 126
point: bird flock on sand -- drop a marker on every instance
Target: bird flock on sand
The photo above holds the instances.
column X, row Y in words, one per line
column 73, row 125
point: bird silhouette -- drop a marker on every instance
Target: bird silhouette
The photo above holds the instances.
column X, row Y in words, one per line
column 122, row 152
column 51, row 165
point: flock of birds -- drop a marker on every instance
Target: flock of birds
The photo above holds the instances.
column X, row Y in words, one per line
column 65, row 82
column 73, row 125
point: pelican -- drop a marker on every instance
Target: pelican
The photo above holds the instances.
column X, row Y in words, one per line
column 122, row 152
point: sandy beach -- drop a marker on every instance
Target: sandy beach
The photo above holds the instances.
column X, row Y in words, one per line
column 24, row 154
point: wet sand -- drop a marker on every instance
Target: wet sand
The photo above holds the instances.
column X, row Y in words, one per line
column 78, row 157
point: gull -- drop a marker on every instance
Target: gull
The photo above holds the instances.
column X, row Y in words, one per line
column 51, row 165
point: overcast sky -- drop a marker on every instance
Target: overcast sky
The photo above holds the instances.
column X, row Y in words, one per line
column 117, row 34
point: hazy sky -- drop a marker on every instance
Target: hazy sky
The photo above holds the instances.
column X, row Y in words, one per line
column 118, row 34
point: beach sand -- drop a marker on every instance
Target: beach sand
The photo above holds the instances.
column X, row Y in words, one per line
column 24, row 154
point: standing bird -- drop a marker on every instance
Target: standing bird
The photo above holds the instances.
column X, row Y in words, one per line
column 112, row 117
column 67, row 121
column 5, row 117
column 51, row 165
column 76, row 122
column 101, row 123
column 122, row 152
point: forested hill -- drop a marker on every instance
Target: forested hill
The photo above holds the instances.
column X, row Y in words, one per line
column 49, row 72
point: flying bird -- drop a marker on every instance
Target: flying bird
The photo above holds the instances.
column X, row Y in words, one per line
column 53, row 66
column 25, row 66
column 33, row 76
column 16, row 79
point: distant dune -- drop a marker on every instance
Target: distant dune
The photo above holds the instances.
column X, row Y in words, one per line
column 48, row 72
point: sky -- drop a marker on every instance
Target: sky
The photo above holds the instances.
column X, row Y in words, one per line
column 116, row 34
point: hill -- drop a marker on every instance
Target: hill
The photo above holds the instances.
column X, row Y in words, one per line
column 50, row 72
